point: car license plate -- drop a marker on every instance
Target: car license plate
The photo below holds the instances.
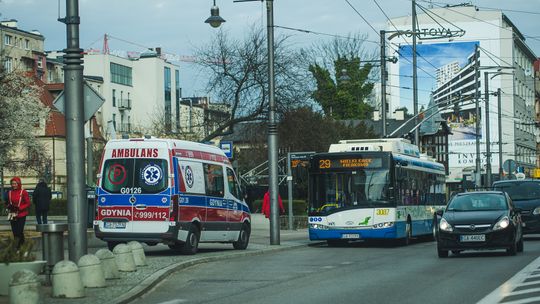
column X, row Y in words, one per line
column 115, row 225
column 350, row 236
column 473, row 238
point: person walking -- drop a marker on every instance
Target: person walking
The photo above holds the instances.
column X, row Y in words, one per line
column 18, row 202
column 42, row 200
column 266, row 205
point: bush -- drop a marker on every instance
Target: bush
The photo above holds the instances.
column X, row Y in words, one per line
column 299, row 207
column 10, row 254
column 58, row 207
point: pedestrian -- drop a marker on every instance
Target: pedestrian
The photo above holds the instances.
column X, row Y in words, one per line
column 266, row 205
column 17, row 203
column 42, row 200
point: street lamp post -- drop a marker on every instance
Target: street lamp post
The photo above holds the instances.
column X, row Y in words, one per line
column 272, row 125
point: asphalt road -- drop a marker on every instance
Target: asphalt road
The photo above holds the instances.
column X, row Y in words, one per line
column 358, row 273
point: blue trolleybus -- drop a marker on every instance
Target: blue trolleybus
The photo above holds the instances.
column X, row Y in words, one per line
column 373, row 189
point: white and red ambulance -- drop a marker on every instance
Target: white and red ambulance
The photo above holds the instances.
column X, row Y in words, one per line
column 169, row 191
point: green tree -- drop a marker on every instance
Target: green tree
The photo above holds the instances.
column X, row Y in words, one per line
column 343, row 96
column 303, row 129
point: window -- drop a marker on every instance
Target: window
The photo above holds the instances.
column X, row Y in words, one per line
column 213, row 175
column 114, row 98
column 233, row 184
column 167, row 92
column 8, row 64
column 145, row 176
column 8, row 39
column 121, row 74
column 114, row 121
column 26, row 44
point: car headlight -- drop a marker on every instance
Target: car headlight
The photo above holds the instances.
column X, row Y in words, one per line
column 536, row 211
column 318, row 226
column 502, row 223
column 444, row 226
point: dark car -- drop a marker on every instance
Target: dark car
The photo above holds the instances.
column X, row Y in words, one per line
column 479, row 220
column 526, row 196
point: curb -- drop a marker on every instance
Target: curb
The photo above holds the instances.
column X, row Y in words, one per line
column 158, row 276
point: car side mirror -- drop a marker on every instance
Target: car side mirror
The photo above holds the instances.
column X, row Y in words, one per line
column 439, row 212
column 517, row 210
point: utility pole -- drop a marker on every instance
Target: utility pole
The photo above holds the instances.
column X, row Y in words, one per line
column 499, row 118
column 415, row 78
column 272, row 131
column 74, row 112
column 383, row 83
column 478, row 173
column 488, row 142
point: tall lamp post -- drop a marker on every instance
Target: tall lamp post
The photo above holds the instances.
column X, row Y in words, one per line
column 272, row 125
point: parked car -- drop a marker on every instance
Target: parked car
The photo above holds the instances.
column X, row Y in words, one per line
column 526, row 196
column 479, row 220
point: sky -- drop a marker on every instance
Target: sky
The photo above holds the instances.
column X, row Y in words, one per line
column 177, row 26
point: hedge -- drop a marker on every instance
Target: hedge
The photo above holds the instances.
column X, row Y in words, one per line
column 58, row 207
column 299, row 207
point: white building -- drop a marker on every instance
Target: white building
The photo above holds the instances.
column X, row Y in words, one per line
column 500, row 46
column 138, row 91
column 446, row 72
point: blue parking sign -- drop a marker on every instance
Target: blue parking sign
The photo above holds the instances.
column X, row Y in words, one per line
column 227, row 147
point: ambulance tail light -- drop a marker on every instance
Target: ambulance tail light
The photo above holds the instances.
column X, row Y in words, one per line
column 173, row 208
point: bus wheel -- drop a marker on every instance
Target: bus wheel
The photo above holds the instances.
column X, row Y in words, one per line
column 243, row 238
column 111, row 245
column 192, row 242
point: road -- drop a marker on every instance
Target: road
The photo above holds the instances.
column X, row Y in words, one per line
column 358, row 273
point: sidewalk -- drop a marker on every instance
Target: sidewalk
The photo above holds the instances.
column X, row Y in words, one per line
column 162, row 262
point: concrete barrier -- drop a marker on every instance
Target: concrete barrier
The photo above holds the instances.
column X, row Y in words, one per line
column 138, row 253
column 91, row 271
column 24, row 288
column 66, row 281
column 124, row 258
column 108, row 263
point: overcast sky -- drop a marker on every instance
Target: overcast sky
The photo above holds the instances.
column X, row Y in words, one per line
column 178, row 25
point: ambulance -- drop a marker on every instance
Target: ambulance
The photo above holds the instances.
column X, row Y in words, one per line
column 174, row 192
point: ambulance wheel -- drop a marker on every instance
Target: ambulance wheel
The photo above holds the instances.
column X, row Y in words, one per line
column 192, row 242
column 111, row 245
column 176, row 246
column 243, row 238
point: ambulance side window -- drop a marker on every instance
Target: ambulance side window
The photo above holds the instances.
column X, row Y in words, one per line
column 233, row 184
column 213, row 175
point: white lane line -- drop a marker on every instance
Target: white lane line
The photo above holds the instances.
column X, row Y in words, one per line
column 524, row 301
column 176, row 301
column 506, row 288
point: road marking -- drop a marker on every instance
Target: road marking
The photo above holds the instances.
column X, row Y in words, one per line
column 176, row 301
column 517, row 280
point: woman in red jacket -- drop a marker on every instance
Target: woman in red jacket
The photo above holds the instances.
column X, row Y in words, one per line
column 266, row 205
column 18, row 202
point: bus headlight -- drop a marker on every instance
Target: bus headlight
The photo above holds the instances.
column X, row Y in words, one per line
column 318, row 226
column 383, row 225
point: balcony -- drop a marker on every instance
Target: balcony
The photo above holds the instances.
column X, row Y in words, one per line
column 124, row 104
column 124, row 128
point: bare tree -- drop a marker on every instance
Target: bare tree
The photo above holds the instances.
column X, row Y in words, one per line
column 21, row 115
column 238, row 75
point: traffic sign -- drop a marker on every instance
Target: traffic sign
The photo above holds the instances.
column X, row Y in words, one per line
column 92, row 102
column 227, row 147
column 509, row 166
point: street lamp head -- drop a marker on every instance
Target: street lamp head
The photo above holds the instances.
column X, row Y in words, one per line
column 215, row 19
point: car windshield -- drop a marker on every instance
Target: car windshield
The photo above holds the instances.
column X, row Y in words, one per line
column 478, row 202
column 520, row 190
